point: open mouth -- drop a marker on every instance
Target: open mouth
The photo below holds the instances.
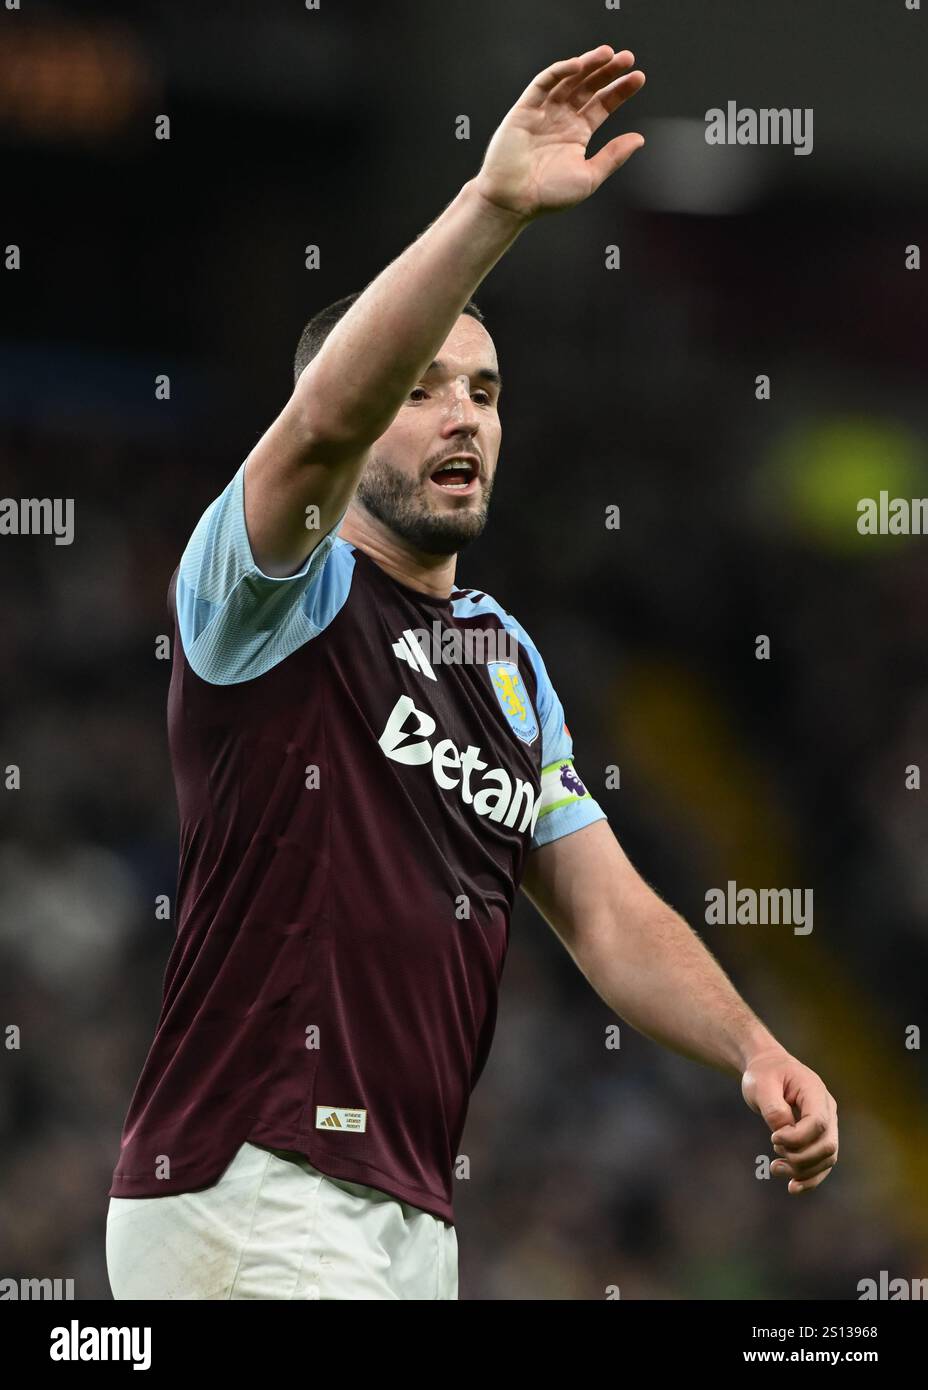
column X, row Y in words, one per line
column 458, row 475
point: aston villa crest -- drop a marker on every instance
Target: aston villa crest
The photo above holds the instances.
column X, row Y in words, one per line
column 513, row 699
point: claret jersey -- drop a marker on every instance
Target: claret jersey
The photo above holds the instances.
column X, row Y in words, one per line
column 361, row 771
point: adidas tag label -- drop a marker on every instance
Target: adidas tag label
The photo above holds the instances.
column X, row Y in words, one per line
column 337, row 1117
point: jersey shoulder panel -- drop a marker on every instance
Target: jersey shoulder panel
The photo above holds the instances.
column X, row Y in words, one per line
column 235, row 622
column 566, row 804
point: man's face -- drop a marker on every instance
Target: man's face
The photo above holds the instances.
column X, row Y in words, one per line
column 452, row 411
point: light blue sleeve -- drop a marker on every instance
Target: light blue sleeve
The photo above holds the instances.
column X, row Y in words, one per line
column 236, row 622
column 566, row 804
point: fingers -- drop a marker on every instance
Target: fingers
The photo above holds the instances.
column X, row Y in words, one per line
column 806, row 1164
column 813, row 1153
column 807, row 1151
column 806, row 1145
column 798, row 1182
column 580, row 90
column 567, row 72
column 613, row 156
column 806, row 1174
column 800, row 1134
column 610, row 98
column 806, row 1183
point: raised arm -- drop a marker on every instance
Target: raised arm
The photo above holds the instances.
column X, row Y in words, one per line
column 315, row 451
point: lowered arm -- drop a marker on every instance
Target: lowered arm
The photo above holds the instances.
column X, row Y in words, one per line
column 652, row 970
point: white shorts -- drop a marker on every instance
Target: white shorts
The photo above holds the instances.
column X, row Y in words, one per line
column 275, row 1227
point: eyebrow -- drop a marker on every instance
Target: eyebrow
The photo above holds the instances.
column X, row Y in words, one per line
column 483, row 373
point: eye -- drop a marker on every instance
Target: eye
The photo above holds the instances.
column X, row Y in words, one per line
column 418, row 388
column 486, row 397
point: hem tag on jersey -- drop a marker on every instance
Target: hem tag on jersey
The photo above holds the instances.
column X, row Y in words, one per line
column 337, row 1117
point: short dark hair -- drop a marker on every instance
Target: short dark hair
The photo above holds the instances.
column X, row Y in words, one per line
column 321, row 325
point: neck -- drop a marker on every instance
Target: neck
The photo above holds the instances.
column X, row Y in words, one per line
column 432, row 574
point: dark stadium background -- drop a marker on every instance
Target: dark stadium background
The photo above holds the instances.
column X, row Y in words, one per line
column 589, row 1167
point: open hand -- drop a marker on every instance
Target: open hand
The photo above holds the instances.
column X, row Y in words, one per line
column 536, row 161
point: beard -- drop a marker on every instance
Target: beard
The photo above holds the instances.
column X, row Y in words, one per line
column 402, row 504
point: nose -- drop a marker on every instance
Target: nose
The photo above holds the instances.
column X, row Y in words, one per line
column 463, row 415
column 466, row 427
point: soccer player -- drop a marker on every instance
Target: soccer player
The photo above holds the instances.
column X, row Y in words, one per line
column 369, row 763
